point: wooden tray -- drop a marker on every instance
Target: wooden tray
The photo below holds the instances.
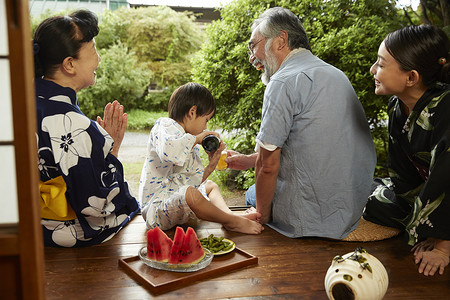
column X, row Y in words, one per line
column 158, row 281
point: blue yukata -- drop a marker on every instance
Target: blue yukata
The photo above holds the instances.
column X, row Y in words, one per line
column 172, row 164
column 327, row 162
column 84, row 197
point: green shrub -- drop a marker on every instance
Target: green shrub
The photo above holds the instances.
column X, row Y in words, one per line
column 120, row 77
column 156, row 100
column 159, row 36
column 139, row 119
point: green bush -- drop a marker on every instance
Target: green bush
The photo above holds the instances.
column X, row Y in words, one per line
column 157, row 100
column 139, row 119
column 120, row 76
column 158, row 35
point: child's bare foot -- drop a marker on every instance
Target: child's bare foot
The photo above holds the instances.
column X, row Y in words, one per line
column 250, row 214
column 249, row 210
column 244, row 225
column 256, row 216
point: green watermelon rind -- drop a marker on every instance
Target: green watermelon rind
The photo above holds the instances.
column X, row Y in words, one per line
column 189, row 265
column 176, row 268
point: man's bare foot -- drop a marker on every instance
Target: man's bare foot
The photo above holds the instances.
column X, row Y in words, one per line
column 244, row 225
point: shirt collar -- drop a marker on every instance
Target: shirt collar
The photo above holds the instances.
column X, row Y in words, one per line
column 292, row 53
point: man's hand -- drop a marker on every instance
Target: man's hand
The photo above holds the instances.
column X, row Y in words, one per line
column 238, row 161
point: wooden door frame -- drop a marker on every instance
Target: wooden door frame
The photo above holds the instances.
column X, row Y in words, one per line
column 29, row 242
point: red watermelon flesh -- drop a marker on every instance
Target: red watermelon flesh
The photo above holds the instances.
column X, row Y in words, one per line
column 178, row 240
column 158, row 245
column 191, row 251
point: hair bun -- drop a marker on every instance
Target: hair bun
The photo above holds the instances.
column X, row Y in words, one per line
column 36, row 48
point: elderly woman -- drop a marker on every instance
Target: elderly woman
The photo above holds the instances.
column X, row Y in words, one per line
column 84, row 198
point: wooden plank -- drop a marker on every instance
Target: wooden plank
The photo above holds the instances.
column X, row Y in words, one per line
column 287, row 268
column 9, row 240
column 9, row 287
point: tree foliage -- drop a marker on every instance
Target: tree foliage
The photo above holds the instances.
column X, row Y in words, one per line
column 436, row 12
column 432, row 12
column 344, row 33
column 159, row 36
column 120, row 76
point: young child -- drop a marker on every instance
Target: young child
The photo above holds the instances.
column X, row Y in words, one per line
column 413, row 65
column 174, row 185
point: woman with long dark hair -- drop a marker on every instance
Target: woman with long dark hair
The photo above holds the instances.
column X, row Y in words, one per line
column 413, row 65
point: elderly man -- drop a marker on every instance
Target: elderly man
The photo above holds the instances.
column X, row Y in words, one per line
column 315, row 158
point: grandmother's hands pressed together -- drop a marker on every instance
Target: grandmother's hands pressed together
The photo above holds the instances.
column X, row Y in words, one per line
column 115, row 123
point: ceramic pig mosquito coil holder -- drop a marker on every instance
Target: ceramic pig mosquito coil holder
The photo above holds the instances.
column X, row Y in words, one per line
column 356, row 275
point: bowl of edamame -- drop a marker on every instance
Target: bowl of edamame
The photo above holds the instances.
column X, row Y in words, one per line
column 217, row 245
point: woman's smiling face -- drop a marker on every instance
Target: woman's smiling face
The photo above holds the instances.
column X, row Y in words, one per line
column 86, row 65
column 390, row 79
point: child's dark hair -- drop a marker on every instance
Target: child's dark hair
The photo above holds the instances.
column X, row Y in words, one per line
column 59, row 37
column 423, row 48
column 188, row 95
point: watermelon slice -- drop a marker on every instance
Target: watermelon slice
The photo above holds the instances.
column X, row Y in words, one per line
column 150, row 252
column 185, row 248
column 178, row 240
column 191, row 251
column 158, row 245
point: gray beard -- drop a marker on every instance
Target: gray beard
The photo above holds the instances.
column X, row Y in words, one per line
column 270, row 67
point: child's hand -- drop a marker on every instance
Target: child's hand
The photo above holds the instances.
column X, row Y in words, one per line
column 215, row 156
column 199, row 138
column 213, row 160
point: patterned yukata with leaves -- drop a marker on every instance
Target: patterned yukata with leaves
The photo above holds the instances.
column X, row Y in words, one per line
column 172, row 164
column 74, row 147
column 416, row 197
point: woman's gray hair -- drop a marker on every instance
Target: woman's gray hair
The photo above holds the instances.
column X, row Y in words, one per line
column 274, row 20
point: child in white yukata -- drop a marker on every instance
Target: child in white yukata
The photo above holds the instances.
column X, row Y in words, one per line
column 174, row 186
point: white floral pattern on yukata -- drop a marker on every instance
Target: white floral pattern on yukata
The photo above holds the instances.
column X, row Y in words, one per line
column 76, row 148
column 69, row 141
